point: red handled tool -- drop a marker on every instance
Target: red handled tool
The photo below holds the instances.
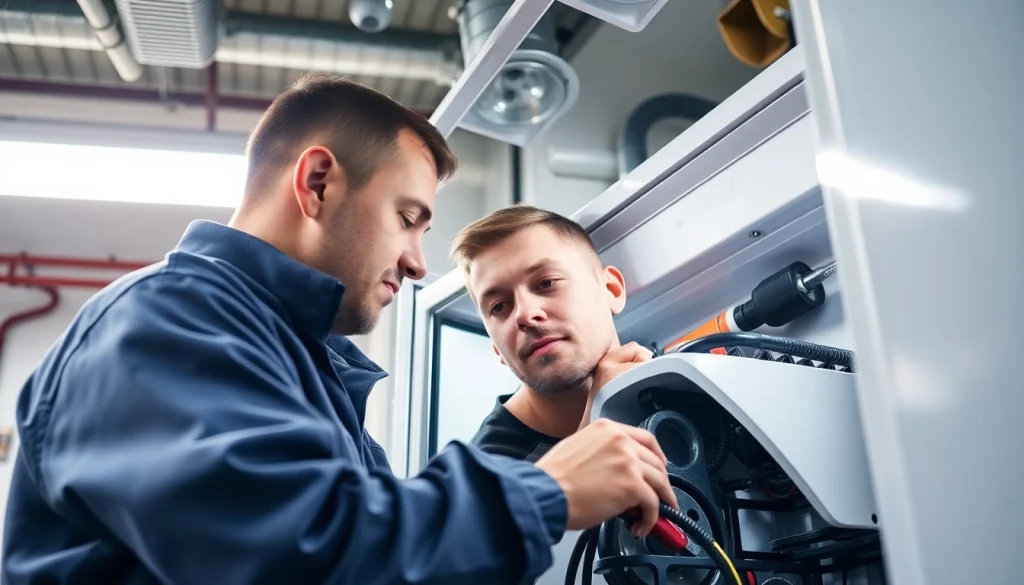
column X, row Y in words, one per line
column 666, row 532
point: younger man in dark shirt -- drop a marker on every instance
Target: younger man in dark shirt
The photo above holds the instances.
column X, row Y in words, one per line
column 548, row 304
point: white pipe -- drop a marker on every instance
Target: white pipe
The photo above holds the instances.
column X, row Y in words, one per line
column 581, row 163
column 109, row 34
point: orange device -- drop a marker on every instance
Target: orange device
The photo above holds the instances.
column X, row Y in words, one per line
column 791, row 292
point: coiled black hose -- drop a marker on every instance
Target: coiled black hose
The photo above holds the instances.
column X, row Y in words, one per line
column 795, row 347
column 723, row 446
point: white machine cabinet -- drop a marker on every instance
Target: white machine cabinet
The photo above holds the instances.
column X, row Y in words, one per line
column 880, row 142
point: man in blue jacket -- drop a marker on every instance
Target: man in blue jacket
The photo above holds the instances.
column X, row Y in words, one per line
column 201, row 421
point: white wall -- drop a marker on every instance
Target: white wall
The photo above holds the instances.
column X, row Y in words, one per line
column 679, row 51
column 23, row 348
column 460, row 201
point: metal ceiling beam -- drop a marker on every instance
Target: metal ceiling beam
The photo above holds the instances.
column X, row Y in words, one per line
column 129, row 94
column 135, row 94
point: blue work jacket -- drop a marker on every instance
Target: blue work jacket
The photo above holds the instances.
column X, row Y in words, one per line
column 198, row 424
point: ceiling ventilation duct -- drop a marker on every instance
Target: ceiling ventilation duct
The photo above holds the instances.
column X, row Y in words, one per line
column 256, row 39
column 171, row 33
column 534, row 87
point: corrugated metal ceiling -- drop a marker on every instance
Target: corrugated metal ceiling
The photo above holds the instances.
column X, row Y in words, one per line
column 93, row 67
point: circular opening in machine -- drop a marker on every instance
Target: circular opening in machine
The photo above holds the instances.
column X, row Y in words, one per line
column 693, row 515
column 874, row 517
column 675, row 442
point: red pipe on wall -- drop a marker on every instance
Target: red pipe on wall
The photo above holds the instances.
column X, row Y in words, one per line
column 31, row 313
column 70, row 262
column 27, row 263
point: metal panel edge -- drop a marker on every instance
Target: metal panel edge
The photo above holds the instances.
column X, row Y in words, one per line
column 716, row 158
column 773, row 189
column 750, row 99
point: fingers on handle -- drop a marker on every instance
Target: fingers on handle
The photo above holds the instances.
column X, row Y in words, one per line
column 649, row 507
column 646, row 439
column 657, row 478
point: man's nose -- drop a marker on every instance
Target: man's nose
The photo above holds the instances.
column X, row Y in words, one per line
column 413, row 265
column 529, row 312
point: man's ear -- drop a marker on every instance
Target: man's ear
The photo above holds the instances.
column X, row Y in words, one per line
column 316, row 176
column 615, row 285
column 498, row 353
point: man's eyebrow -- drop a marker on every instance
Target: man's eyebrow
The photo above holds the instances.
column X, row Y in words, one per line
column 423, row 212
column 538, row 265
column 543, row 263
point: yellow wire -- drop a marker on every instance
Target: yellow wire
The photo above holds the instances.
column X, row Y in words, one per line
column 735, row 575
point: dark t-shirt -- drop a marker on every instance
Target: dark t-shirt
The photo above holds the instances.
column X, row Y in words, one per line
column 502, row 433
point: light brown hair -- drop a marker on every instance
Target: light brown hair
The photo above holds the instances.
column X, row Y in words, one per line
column 484, row 233
column 359, row 125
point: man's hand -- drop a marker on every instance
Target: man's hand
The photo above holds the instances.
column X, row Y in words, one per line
column 606, row 469
column 615, row 362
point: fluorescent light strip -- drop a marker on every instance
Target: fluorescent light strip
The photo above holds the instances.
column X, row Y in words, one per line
column 102, row 173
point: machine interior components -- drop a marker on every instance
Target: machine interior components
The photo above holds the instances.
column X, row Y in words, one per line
column 734, row 431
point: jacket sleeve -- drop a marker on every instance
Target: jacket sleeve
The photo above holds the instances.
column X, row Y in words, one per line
column 181, row 427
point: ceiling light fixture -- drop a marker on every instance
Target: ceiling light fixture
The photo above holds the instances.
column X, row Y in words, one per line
column 533, row 88
column 104, row 173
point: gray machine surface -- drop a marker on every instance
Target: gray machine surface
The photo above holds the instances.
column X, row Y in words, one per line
column 921, row 133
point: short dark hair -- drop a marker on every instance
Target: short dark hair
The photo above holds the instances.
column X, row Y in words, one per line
column 359, row 125
column 484, row 233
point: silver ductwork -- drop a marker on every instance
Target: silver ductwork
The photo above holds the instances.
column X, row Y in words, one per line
column 256, row 39
column 171, row 33
column 251, row 39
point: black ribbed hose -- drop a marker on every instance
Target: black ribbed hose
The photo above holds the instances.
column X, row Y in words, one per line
column 723, row 446
column 795, row 347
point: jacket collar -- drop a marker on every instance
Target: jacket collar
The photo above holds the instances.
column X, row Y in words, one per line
column 309, row 297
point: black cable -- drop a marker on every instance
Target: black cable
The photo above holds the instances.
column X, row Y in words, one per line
column 703, row 538
column 588, row 560
column 582, row 543
column 795, row 347
column 586, row 546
